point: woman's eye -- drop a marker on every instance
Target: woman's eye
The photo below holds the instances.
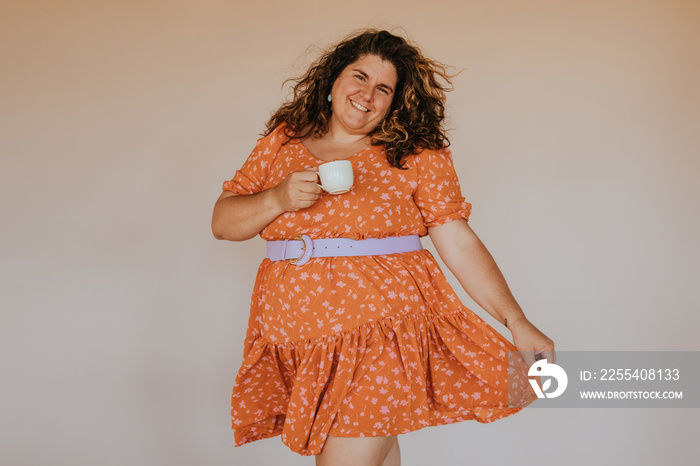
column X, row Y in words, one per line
column 360, row 77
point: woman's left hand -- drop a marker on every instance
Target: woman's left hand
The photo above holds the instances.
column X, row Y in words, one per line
column 528, row 338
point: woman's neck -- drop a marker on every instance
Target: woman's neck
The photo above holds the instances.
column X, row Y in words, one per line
column 337, row 136
column 336, row 144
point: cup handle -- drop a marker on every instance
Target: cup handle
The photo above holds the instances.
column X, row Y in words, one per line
column 319, row 179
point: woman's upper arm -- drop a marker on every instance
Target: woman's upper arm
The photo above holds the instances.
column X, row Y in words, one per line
column 451, row 237
column 225, row 194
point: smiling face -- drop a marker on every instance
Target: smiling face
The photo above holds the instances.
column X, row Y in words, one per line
column 362, row 95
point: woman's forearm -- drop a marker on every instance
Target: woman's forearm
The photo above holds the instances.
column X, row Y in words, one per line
column 237, row 218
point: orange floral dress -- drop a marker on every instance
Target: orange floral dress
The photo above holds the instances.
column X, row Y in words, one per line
column 368, row 345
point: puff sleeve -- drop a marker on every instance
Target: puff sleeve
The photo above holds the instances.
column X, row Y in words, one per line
column 438, row 194
column 253, row 175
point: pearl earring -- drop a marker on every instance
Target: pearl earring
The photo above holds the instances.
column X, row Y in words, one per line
column 329, row 97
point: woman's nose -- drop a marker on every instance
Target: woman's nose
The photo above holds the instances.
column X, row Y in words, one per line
column 366, row 93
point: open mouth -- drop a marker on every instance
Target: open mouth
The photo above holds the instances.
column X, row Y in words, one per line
column 358, row 106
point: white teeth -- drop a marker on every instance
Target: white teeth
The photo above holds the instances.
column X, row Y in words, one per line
column 358, row 106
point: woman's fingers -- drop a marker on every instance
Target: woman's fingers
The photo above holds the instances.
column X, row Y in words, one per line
column 550, row 356
column 307, row 174
column 310, row 187
column 300, row 190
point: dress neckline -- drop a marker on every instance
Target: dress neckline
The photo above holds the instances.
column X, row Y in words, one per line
column 311, row 155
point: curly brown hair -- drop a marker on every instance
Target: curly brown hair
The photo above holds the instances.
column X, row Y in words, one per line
column 414, row 120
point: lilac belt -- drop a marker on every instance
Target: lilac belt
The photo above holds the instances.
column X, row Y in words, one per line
column 299, row 250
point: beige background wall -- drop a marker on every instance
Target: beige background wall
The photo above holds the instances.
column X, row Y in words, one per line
column 575, row 132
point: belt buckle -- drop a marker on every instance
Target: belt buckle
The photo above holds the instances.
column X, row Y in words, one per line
column 306, row 250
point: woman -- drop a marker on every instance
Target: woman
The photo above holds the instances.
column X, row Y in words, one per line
column 344, row 352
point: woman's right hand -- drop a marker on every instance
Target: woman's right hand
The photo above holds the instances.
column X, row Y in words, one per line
column 298, row 190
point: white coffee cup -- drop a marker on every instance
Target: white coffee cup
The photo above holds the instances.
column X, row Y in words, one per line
column 336, row 177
